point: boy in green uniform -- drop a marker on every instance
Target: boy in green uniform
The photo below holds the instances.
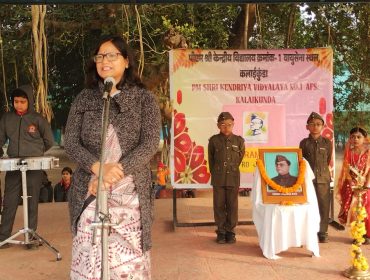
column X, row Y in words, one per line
column 225, row 153
column 317, row 150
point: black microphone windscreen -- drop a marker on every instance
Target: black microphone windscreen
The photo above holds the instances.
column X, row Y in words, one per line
column 109, row 80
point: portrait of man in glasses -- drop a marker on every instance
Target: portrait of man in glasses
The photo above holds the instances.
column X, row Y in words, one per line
column 282, row 166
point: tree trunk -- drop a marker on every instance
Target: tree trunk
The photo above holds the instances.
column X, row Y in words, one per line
column 40, row 61
column 5, row 104
column 291, row 23
column 243, row 27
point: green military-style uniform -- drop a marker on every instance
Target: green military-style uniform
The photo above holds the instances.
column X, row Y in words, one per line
column 318, row 153
column 224, row 157
column 225, row 154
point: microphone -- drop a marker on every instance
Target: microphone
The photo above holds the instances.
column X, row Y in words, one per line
column 109, row 82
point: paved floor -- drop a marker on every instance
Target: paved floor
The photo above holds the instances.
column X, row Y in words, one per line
column 182, row 253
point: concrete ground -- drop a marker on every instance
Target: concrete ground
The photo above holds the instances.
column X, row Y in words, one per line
column 181, row 253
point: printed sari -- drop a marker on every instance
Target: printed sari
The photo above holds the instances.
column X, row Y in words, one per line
column 125, row 257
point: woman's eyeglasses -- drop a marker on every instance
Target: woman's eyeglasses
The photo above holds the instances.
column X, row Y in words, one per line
column 110, row 56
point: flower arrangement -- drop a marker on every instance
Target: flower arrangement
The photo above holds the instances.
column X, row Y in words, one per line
column 358, row 231
column 277, row 187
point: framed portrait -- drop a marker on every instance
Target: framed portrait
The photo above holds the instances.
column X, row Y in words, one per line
column 282, row 176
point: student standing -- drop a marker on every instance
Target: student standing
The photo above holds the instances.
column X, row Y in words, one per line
column 29, row 135
column 61, row 189
column 356, row 156
column 225, row 153
column 317, row 150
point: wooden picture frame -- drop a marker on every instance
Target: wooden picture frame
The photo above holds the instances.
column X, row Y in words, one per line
column 283, row 167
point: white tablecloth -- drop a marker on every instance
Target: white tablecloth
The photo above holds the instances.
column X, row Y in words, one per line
column 280, row 227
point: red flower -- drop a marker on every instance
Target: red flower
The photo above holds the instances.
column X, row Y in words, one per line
column 190, row 165
column 322, row 105
column 179, row 97
column 329, row 120
column 328, row 131
column 182, row 139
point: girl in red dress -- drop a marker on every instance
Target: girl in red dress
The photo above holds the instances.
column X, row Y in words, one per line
column 356, row 155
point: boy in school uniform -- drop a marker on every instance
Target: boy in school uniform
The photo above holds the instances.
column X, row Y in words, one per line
column 29, row 135
column 225, row 153
column 317, row 150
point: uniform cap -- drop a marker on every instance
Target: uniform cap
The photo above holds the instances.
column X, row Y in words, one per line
column 225, row 116
column 280, row 158
column 314, row 115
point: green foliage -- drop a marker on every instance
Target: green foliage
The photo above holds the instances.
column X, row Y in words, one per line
column 73, row 30
column 186, row 30
column 342, row 26
column 345, row 121
column 15, row 24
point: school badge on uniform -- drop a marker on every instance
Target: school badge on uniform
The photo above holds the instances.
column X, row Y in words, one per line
column 32, row 128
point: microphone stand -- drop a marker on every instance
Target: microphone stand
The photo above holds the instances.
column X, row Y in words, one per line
column 102, row 218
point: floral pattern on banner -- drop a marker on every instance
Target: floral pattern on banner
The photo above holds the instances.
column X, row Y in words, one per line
column 190, row 165
column 181, row 59
column 328, row 131
column 325, row 56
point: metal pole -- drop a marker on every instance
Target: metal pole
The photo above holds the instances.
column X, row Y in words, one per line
column 23, row 170
column 101, row 210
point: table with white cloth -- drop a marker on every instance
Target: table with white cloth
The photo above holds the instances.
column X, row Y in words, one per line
column 280, row 227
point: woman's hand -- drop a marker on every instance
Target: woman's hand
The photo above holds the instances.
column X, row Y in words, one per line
column 93, row 186
column 112, row 172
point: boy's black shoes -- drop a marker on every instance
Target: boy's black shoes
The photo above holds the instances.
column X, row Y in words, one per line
column 221, row 238
column 230, row 237
column 323, row 239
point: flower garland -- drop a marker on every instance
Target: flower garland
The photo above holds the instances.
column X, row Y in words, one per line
column 358, row 231
column 282, row 189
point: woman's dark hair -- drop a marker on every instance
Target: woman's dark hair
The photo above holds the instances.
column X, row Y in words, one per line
column 358, row 129
column 130, row 76
column 68, row 169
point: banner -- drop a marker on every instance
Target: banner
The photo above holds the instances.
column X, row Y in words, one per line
column 270, row 94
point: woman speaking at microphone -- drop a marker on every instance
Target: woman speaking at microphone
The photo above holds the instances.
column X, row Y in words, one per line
column 132, row 139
